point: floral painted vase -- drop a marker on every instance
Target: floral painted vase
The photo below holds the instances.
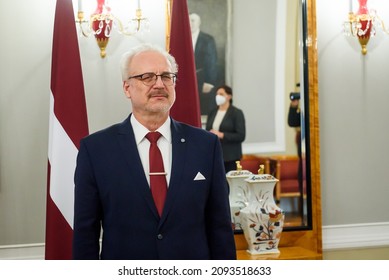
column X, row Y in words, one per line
column 262, row 220
column 239, row 193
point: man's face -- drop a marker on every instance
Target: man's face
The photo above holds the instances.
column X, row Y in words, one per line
column 194, row 23
column 152, row 99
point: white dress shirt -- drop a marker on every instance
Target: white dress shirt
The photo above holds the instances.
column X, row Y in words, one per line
column 164, row 144
column 195, row 35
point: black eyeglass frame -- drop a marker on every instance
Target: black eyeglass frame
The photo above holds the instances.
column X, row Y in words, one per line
column 167, row 78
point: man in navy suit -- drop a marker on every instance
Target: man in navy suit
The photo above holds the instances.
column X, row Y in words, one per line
column 113, row 199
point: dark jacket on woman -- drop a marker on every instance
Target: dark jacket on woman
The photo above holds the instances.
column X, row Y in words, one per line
column 234, row 128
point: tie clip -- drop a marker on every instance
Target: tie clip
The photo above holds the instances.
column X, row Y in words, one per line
column 157, row 173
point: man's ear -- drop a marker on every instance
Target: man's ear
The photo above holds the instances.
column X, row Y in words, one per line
column 126, row 89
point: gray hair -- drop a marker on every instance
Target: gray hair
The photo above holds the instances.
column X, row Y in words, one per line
column 128, row 56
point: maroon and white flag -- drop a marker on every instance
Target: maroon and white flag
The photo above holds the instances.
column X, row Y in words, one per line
column 68, row 124
column 187, row 105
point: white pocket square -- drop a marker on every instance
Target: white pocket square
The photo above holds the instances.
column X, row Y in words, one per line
column 199, row 177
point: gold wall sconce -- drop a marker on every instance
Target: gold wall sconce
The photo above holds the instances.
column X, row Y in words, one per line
column 102, row 22
column 363, row 24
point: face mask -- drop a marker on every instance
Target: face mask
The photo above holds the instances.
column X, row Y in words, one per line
column 220, row 100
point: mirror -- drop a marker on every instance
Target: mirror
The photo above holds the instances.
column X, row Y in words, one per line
column 261, row 53
column 304, row 242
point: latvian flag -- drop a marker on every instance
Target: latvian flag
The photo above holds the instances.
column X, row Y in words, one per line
column 68, row 124
column 186, row 108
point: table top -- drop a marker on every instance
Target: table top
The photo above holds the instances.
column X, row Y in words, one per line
column 286, row 253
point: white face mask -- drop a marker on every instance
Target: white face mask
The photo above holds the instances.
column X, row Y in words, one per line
column 220, row 100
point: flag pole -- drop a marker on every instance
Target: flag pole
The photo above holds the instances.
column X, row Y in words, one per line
column 169, row 5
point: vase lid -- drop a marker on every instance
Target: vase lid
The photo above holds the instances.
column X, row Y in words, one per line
column 238, row 173
column 263, row 178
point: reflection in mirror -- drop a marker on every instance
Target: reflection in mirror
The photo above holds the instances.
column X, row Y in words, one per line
column 279, row 73
column 265, row 60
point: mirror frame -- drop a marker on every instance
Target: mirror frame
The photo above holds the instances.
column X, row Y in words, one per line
column 307, row 241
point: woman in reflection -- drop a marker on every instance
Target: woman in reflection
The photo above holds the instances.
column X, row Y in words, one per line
column 228, row 123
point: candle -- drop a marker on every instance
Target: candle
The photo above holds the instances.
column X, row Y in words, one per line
column 350, row 6
column 138, row 4
column 79, row 5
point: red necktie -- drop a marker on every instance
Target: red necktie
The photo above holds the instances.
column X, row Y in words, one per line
column 157, row 172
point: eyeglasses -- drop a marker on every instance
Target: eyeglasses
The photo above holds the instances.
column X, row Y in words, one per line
column 149, row 79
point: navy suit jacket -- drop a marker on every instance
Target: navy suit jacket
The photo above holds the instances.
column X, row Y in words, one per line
column 206, row 69
column 112, row 193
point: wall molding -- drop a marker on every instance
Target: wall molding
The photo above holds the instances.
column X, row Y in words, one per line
column 339, row 237
column 34, row 251
column 355, row 236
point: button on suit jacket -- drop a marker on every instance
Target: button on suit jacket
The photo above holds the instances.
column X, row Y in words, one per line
column 112, row 193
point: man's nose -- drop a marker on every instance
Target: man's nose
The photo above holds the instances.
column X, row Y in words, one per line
column 159, row 82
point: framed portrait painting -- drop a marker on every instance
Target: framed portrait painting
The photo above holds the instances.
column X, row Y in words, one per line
column 209, row 26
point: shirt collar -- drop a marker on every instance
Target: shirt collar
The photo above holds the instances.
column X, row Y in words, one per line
column 140, row 131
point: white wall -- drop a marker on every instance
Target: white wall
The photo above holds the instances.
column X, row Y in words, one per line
column 24, row 82
column 353, row 100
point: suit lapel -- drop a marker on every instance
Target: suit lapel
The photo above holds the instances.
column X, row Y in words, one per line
column 179, row 148
column 211, row 118
column 129, row 150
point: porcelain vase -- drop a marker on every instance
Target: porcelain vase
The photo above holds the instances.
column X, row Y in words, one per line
column 262, row 220
column 239, row 195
